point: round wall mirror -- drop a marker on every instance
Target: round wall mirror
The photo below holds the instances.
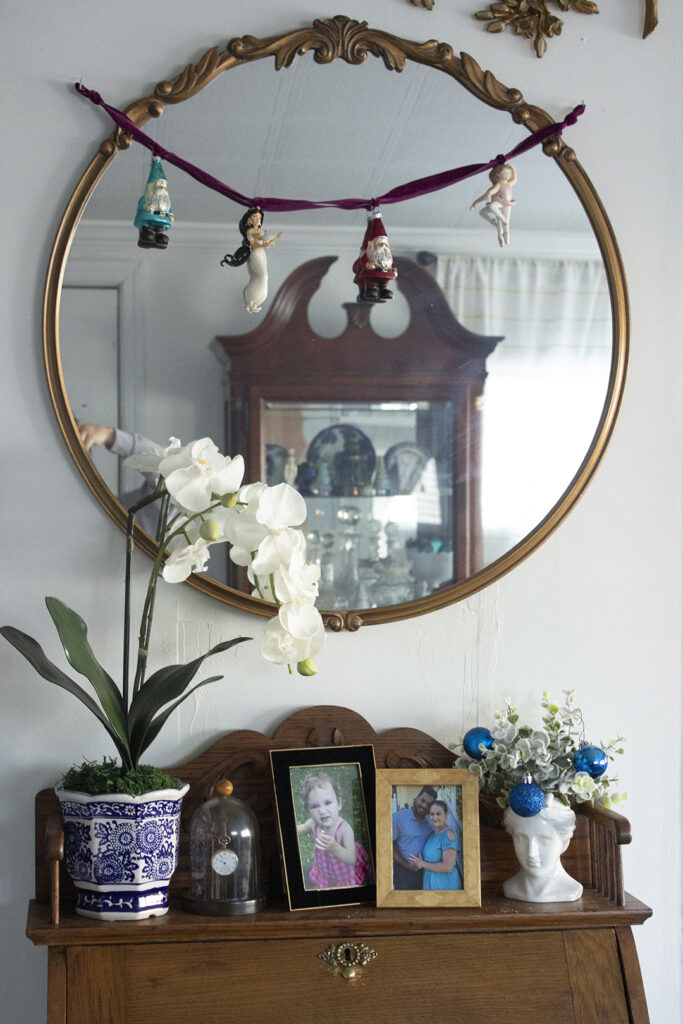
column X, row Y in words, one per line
column 438, row 437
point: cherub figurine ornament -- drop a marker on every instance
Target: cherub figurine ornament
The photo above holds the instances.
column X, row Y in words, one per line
column 499, row 201
column 253, row 253
column 154, row 214
column 374, row 267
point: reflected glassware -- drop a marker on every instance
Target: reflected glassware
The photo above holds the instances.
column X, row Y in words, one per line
column 393, row 588
column 348, row 580
column 352, row 467
column 350, row 516
column 368, row 577
column 323, row 480
column 369, row 542
column 382, row 484
column 326, row 590
column 314, row 547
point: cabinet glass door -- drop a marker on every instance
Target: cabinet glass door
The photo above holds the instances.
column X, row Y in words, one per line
column 377, row 478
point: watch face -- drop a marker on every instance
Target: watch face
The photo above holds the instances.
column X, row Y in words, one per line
column 224, row 862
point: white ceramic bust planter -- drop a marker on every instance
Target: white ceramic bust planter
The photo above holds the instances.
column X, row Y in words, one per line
column 539, row 842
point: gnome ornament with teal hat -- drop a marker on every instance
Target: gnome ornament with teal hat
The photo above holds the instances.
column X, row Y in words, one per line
column 154, row 214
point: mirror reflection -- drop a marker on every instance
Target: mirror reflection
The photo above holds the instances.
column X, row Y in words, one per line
column 393, row 515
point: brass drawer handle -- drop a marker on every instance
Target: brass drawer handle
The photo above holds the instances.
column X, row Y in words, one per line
column 349, row 956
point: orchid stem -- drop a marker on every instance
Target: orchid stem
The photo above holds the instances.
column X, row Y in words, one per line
column 148, row 608
column 132, row 512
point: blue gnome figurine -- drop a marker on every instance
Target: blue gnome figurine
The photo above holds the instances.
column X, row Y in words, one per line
column 154, row 214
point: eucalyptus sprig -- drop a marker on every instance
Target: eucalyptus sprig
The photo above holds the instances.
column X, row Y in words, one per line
column 547, row 754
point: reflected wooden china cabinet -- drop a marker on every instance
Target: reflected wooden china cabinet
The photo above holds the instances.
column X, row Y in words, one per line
column 434, row 371
column 505, row 962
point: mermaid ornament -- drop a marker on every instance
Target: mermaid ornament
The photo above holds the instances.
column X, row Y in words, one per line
column 253, row 253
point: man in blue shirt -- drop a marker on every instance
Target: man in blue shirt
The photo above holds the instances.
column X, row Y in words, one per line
column 410, row 832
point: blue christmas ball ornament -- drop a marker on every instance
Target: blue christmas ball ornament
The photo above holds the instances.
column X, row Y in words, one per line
column 526, row 799
column 472, row 739
column 591, row 760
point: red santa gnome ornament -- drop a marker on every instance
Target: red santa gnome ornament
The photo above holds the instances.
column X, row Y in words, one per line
column 374, row 267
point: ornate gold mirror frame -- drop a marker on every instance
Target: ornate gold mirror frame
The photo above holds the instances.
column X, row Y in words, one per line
column 351, row 41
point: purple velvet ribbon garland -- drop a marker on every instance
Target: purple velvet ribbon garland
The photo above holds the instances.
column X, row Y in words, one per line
column 412, row 189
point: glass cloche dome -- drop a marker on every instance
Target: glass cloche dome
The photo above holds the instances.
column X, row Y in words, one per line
column 225, row 855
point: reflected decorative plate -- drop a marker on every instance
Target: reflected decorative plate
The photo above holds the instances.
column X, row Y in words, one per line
column 405, row 463
column 333, row 445
column 276, row 456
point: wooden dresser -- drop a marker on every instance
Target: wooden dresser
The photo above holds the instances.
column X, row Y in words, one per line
column 504, row 962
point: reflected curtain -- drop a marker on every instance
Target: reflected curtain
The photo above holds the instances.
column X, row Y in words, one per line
column 546, row 382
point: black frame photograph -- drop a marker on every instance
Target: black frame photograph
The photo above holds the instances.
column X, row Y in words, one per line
column 428, row 838
column 325, row 804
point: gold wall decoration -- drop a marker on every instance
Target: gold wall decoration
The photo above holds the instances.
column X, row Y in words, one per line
column 533, row 20
column 651, row 17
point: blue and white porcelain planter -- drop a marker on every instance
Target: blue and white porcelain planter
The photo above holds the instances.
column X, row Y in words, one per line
column 121, row 851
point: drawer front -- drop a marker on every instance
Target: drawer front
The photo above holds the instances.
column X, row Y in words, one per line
column 503, row 978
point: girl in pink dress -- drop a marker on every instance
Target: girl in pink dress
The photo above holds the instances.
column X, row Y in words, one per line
column 339, row 860
column 499, row 200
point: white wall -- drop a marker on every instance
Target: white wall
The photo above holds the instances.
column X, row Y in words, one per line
column 596, row 608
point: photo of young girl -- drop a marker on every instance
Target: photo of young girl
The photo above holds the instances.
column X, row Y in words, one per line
column 333, row 849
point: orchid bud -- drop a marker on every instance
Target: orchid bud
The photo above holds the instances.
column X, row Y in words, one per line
column 210, row 530
column 307, row 667
column 228, row 500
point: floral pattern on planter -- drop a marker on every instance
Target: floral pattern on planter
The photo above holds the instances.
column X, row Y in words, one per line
column 121, row 851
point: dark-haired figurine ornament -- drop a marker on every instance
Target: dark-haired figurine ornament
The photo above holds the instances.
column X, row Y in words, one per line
column 374, row 268
column 154, row 214
column 253, row 253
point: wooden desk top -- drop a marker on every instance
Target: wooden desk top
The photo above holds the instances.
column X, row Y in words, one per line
column 496, row 914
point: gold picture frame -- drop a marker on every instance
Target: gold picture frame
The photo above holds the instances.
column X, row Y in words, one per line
column 397, row 793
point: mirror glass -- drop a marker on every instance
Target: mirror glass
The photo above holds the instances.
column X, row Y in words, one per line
column 137, row 327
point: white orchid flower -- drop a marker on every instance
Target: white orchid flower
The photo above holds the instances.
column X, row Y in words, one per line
column 281, row 647
column 301, row 619
column 241, row 528
column 198, row 470
column 297, row 580
column 277, row 549
column 280, row 506
column 262, row 522
column 148, row 462
column 185, row 560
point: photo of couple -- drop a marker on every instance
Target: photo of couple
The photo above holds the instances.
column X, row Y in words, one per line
column 426, row 828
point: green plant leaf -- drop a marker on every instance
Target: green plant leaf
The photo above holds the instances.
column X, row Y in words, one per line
column 73, row 633
column 35, row 655
column 155, row 726
column 162, row 687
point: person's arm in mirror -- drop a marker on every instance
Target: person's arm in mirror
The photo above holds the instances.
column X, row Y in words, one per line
column 92, row 434
column 119, row 442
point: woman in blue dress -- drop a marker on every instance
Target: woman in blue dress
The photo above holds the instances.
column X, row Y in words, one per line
column 439, row 857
